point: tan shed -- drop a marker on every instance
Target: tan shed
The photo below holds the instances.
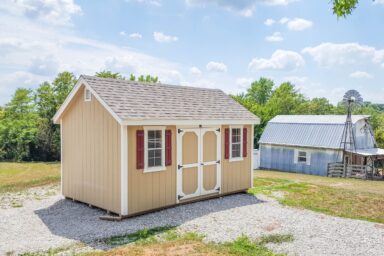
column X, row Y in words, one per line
column 132, row 147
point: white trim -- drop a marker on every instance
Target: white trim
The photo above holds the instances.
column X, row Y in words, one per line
column 157, row 168
column 124, row 169
column 72, row 94
column 195, row 122
column 85, row 95
column 240, row 158
column 61, row 156
column 252, row 157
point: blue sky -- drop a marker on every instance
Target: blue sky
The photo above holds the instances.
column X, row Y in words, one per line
column 217, row 44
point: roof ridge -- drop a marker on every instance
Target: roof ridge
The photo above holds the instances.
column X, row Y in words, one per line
column 125, row 81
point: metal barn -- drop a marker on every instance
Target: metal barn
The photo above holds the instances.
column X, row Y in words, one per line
column 309, row 143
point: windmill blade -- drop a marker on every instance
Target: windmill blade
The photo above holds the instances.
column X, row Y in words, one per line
column 352, row 96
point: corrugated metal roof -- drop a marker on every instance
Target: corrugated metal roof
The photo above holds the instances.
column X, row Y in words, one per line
column 315, row 119
column 319, row 131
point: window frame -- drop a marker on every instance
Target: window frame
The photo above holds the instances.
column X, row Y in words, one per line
column 298, row 157
column 161, row 167
column 86, row 90
column 240, row 158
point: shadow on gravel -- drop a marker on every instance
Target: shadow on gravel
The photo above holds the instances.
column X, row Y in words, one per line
column 77, row 221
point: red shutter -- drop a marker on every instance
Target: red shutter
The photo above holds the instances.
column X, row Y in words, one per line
column 244, row 142
column 226, row 138
column 140, row 149
column 168, row 147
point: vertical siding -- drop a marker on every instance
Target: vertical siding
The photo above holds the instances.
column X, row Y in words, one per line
column 236, row 175
column 151, row 190
column 91, row 154
column 282, row 158
column 363, row 137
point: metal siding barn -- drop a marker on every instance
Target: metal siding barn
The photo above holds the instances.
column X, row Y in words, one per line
column 317, row 137
column 131, row 147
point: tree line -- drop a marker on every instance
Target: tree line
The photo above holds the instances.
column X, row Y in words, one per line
column 266, row 101
column 27, row 132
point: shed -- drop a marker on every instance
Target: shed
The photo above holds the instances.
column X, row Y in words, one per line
column 308, row 143
column 132, row 147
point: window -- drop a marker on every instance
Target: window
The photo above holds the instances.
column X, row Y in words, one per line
column 154, row 149
column 236, row 143
column 87, row 95
column 302, row 157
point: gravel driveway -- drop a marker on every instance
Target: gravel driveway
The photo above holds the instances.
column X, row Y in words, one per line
column 54, row 222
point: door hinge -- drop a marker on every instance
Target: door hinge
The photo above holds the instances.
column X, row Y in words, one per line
column 179, row 131
column 218, row 130
column 201, row 164
column 179, row 166
column 218, row 161
column 218, row 189
column 179, row 197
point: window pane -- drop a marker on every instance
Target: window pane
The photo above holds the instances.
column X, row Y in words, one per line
column 236, row 150
column 236, row 135
column 154, row 148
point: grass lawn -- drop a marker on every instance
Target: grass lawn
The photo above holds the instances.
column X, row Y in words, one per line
column 19, row 176
column 350, row 198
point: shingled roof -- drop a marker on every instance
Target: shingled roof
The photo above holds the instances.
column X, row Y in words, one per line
column 130, row 100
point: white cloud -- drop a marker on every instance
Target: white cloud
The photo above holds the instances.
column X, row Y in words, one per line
column 135, row 36
column 56, row 12
column 195, row 71
column 122, row 33
column 163, row 38
column 216, row 66
column 283, row 20
column 244, row 8
column 329, row 54
column 299, row 24
column 60, row 49
column 269, row 22
column 148, row 2
column 361, row 74
column 280, row 60
column 275, row 37
column 244, row 83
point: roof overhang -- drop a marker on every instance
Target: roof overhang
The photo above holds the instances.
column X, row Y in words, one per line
column 369, row 152
column 82, row 82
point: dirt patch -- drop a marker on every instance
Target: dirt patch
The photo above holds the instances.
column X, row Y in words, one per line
column 272, row 226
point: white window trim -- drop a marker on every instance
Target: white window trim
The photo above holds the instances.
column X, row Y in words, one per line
column 240, row 158
column 157, row 168
column 308, row 157
column 85, row 94
column 298, row 156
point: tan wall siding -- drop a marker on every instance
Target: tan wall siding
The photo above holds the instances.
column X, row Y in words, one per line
column 236, row 175
column 151, row 190
column 91, row 154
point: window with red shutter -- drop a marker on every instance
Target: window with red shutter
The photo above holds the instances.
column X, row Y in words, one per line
column 140, row 149
column 226, row 140
column 244, row 142
column 168, row 147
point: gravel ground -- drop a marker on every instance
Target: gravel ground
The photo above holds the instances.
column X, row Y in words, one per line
column 54, row 222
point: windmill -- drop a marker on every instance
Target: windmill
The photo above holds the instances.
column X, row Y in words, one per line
column 351, row 99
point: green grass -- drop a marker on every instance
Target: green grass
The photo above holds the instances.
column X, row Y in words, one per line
column 16, row 177
column 316, row 194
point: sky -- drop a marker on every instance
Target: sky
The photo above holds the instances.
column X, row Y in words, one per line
column 215, row 44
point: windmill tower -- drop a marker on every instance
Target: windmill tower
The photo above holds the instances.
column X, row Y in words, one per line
column 351, row 99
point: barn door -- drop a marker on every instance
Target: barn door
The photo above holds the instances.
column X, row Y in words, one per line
column 198, row 158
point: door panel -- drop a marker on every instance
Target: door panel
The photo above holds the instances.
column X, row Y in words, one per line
column 209, row 146
column 209, row 177
column 190, row 180
column 190, row 144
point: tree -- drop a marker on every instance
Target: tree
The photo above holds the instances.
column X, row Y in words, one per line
column 316, row 106
column 18, row 127
column 48, row 99
column 148, row 79
column 109, row 74
column 343, row 8
column 260, row 91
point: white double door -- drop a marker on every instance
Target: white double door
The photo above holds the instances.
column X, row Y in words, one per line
column 198, row 162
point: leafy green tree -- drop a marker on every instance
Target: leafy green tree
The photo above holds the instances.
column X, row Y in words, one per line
column 261, row 90
column 316, row 106
column 109, row 74
column 148, row 79
column 18, row 127
column 343, row 8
